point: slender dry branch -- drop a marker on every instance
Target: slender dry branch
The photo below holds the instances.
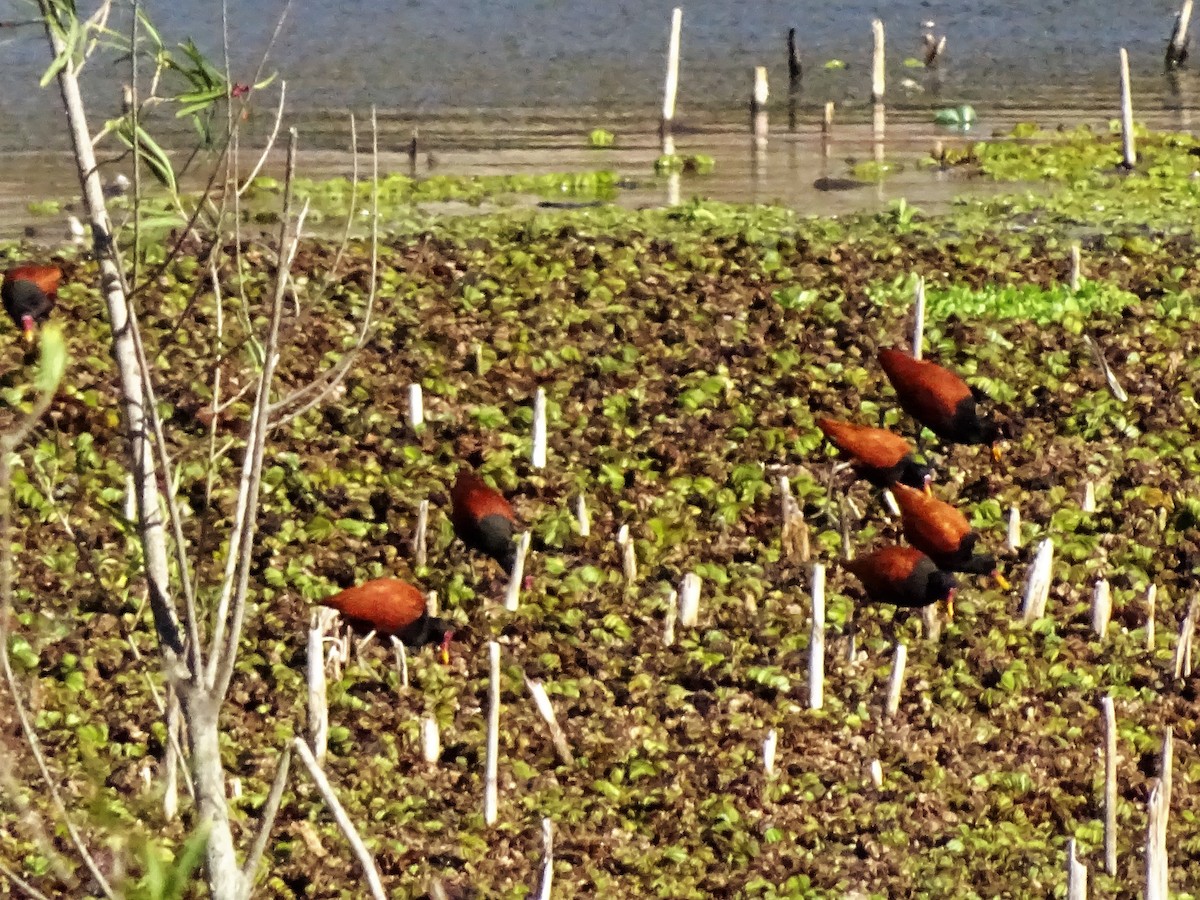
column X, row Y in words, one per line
column 24, row 886
column 267, row 821
column 341, row 817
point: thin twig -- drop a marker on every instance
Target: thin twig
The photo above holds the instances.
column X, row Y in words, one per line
column 266, row 820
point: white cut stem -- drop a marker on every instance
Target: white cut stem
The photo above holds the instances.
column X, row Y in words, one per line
column 401, row 661
column 689, row 600
column 318, row 703
column 770, row 744
column 431, row 740
column 629, row 562
column 1183, row 648
column 342, row 819
column 876, row 771
column 538, row 457
column 582, row 517
column 896, row 681
column 431, row 603
column 562, row 746
column 669, row 618
column 513, row 594
column 1037, row 585
column 816, row 645
column 1156, row 845
column 416, row 406
column 1089, row 497
column 889, row 500
column 1128, row 151
column 547, row 880
column 827, row 119
column 671, row 88
column 1076, row 267
column 1077, row 874
column 1110, row 784
column 1151, row 602
column 491, row 763
column 1014, row 529
column 421, row 539
column 761, row 91
column 877, row 62
column 1101, row 607
column 918, row 338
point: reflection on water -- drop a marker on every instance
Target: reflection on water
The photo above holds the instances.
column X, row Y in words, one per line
column 781, row 168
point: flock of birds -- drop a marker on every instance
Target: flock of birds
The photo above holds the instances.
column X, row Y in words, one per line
column 941, row 540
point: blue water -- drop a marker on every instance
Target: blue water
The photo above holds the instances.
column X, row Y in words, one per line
column 431, row 58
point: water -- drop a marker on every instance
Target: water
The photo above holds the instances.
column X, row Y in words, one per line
column 519, row 83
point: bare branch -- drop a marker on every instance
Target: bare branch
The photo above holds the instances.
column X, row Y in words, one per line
column 267, row 821
column 342, row 819
column 28, row 889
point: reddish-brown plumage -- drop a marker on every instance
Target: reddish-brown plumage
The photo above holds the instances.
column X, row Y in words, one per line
column 483, row 519
column 29, row 293
column 394, row 607
column 930, row 525
column 941, row 531
column 902, row 576
column 937, row 399
column 387, row 605
column 882, row 457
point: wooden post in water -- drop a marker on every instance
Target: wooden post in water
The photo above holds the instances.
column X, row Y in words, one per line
column 689, row 600
column 877, row 63
column 431, row 740
column 758, row 108
column 671, row 89
column 1076, row 265
column 1037, row 585
column 416, row 406
column 827, row 119
column 1110, row 784
column 420, row 539
column 896, row 681
column 1151, row 602
column 795, row 70
column 1177, row 46
column 1128, row 152
column 1101, row 607
column 816, row 644
column 1014, row 528
column 538, row 455
column 770, row 744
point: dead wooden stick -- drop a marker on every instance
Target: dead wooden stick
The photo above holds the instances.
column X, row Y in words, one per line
column 1177, row 46
column 877, row 62
column 491, row 796
column 1128, row 151
column 1110, row 785
column 816, row 644
column 671, row 88
column 559, row 738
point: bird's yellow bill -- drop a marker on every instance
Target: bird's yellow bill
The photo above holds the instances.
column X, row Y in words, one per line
column 997, row 453
column 445, row 655
column 950, row 607
column 30, row 336
column 1001, row 581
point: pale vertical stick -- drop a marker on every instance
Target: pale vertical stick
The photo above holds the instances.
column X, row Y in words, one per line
column 561, row 745
column 827, row 119
column 547, row 879
column 1156, row 847
column 816, row 644
column 431, row 603
column 1076, row 264
column 1183, row 648
column 1128, row 152
column 431, row 740
column 671, row 89
column 758, row 107
column 513, row 594
column 1110, row 785
column 876, row 772
column 582, row 517
column 401, row 653
column 1037, row 585
column 1088, row 505
column 1101, row 607
column 1167, row 764
column 877, row 62
column 689, row 600
column 416, row 406
column 1014, row 528
column 538, row 457
column 628, row 555
column 1076, row 874
column 896, row 681
column 421, row 538
column 669, row 618
column 318, row 704
column 1151, row 602
column 770, row 744
column 171, row 788
column 889, row 500
column 1177, row 45
column 1114, row 383
column 490, row 787
column 918, row 339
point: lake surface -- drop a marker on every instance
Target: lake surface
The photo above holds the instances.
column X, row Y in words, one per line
column 521, row 82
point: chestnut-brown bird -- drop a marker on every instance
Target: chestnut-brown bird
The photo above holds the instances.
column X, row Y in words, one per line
column 483, row 519
column 393, row 607
column 943, row 533
column 881, row 457
column 29, row 293
column 939, row 400
column 903, row 576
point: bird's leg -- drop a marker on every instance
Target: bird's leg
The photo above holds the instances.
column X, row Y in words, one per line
column 829, row 495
